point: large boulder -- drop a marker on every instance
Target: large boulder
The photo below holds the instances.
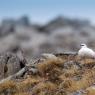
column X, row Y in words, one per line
column 10, row 64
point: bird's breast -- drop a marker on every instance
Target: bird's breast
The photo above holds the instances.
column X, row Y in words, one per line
column 85, row 53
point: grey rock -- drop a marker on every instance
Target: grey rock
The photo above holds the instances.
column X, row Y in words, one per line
column 9, row 64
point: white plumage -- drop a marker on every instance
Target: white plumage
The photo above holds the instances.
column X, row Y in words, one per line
column 86, row 52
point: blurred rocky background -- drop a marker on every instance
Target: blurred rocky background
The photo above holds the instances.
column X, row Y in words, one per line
column 61, row 34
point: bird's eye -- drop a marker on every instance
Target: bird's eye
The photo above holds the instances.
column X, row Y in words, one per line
column 82, row 45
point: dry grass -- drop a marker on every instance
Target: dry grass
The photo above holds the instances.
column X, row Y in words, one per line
column 22, row 93
column 44, row 86
column 54, row 79
column 90, row 90
column 8, row 86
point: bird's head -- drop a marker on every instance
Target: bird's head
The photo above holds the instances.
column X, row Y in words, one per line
column 83, row 45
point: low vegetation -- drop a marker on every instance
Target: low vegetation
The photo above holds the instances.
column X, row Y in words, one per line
column 55, row 77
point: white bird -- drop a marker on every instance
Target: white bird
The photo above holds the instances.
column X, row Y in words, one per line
column 86, row 52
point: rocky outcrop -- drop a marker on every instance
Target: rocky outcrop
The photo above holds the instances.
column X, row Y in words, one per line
column 10, row 64
column 59, row 35
column 51, row 74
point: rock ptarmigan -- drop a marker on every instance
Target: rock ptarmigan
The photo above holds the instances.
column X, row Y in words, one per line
column 86, row 52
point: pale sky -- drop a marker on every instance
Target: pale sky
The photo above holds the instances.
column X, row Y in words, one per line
column 43, row 10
